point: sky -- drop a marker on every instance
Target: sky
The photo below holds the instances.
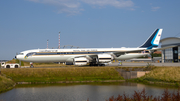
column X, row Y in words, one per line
column 28, row 24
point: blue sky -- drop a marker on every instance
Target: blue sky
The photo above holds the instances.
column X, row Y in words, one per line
column 27, row 24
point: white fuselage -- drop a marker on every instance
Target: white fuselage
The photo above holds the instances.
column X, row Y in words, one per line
column 67, row 55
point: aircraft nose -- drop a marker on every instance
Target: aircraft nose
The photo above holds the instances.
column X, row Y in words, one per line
column 17, row 57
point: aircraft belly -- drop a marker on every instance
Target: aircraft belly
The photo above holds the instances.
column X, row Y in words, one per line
column 59, row 58
column 130, row 56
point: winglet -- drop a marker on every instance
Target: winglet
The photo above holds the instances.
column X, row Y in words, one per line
column 153, row 40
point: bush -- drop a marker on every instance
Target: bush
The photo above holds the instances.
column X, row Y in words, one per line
column 142, row 96
column 149, row 67
column 177, row 84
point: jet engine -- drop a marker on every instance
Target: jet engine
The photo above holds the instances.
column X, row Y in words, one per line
column 81, row 61
column 104, row 58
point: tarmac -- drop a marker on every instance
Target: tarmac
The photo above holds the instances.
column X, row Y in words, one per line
column 129, row 64
column 138, row 64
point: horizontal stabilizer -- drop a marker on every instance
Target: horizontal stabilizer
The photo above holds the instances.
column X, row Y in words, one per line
column 164, row 47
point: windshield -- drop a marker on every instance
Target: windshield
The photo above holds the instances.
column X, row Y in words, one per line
column 21, row 54
column 30, row 54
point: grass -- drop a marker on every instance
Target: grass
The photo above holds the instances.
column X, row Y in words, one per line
column 161, row 76
column 166, row 74
column 6, row 84
column 62, row 74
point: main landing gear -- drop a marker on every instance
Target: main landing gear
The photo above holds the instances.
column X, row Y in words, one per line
column 93, row 64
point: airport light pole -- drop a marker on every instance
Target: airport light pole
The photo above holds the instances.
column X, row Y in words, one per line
column 0, row 69
column 47, row 44
column 59, row 43
column 59, row 40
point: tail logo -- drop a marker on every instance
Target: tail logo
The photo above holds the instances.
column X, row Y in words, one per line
column 153, row 40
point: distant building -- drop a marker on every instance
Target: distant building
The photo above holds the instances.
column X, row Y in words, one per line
column 157, row 52
column 170, row 54
column 3, row 61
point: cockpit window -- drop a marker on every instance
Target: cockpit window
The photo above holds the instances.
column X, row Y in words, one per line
column 30, row 54
column 21, row 53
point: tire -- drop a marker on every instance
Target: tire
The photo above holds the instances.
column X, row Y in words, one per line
column 16, row 66
column 7, row 66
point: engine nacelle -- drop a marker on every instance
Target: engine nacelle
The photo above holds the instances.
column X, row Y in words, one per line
column 105, row 58
column 81, row 61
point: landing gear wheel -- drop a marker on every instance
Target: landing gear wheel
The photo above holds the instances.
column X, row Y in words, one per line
column 16, row 66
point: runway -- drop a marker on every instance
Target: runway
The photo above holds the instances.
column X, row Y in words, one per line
column 131, row 64
column 124, row 64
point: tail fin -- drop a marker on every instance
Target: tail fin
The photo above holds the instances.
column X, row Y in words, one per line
column 153, row 40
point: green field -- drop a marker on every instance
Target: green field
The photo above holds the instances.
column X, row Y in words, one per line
column 62, row 74
column 6, row 84
column 73, row 73
column 166, row 74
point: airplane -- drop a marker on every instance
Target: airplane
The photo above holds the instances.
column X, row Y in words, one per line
column 91, row 56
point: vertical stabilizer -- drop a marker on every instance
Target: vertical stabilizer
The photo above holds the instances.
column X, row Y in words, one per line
column 153, row 40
